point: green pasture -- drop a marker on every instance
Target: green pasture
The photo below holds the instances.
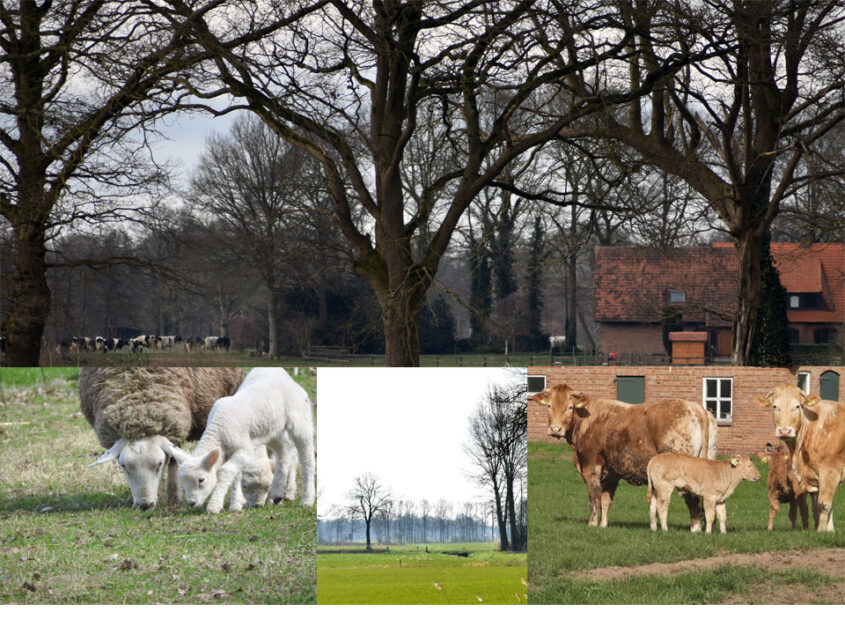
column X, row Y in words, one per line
column 68, row 534
column 562, row 544
column 409, row 575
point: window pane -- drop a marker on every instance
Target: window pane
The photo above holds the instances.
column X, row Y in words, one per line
column 536, row 384
column 726, row 388
column 711, row 388
column 726, row 409
column 711, row 406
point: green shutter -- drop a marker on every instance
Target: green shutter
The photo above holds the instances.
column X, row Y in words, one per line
column 829, row 386
column 630, row 389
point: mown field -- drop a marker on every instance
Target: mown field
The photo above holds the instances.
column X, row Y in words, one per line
column 408, row 575
column 570, row 562
column 68, row 534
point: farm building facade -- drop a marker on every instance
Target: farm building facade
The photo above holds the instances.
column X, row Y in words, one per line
column 728, row 391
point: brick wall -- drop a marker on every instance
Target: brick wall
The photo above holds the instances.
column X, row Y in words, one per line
column 751, row 427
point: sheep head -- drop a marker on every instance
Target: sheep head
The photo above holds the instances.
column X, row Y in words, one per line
column 198, row 475
column 142, row 461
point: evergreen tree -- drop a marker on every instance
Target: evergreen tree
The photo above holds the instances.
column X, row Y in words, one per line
column 771, row 343
column 533, row 283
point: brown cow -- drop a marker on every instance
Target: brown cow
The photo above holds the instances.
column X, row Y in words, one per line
column 814, row 431
column 783, row 487
column 713, row 480
column 612, row 440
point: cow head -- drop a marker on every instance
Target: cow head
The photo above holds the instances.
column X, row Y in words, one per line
column 745, row 468
column 142, row 461
column 563, row 403
column 788, row 405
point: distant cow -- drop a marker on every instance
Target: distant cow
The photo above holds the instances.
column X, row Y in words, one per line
column 612, row 440
column 814, row 432
column 713, row 480
column 783, row 487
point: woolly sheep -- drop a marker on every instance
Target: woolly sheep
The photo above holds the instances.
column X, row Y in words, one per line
column 267, row 405
column 135, row 412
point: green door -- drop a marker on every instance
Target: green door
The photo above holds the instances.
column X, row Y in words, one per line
column 829, row 386
column 630, row 389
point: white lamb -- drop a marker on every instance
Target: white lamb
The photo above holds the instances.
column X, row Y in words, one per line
column 267, row 405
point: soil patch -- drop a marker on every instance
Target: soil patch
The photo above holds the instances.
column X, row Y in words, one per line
column 829, row 561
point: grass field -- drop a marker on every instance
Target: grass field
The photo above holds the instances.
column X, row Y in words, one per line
column 569, row 561
column 69, row 536
column 409, row 575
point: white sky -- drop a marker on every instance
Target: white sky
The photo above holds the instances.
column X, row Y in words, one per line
column 407, row 426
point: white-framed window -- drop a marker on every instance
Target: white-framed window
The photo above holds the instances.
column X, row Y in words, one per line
column 677, row 297
column 794, row 301
column 536, row 383
column 804, row 382
column 717, row 396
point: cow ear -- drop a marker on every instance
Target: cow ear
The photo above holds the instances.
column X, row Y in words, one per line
column 210, row 459
column 734, row 461
column 112, row 454
column 811, row 400
column 542, row 397
column 579, row 399
column 764, row 401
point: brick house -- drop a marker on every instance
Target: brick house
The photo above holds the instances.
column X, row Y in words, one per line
column 728, row 391
column 638, row 288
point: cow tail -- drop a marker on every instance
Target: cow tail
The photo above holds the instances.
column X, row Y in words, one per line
column 708, row 423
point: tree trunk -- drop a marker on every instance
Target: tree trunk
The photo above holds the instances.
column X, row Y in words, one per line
column 749, row 251
column 30, row 305
column 272, row 325
column 400, row 316
column 571, row 305
column 510, row 504
column 500, row 519
column 367, row 523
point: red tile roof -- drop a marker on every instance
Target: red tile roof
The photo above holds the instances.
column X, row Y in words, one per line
column 633, row 283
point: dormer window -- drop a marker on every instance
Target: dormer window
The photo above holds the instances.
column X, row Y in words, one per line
column 677, row 297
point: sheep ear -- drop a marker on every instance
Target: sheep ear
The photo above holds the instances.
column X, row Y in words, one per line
column 210, row 459
column 112, row 454
column 173, row 451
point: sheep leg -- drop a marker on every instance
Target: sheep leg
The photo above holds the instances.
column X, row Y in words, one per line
column 174, row 491
column 285, row 474
column 225, row 477
column 236, row 496
column 304, row 441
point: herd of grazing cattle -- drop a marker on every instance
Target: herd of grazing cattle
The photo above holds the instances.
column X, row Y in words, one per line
column 144, row 343
column 671, row 444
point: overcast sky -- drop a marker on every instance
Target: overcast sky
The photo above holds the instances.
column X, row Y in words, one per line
column 407, row 426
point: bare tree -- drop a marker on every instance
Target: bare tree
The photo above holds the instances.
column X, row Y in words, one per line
column 738, row 125
column 265, row 194
column 79, row 78
column 367, row 499
column 349, row 81
column 497, row 448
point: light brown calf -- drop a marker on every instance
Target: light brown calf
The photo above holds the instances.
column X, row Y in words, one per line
column 814, row 431
column 783, row 487
column 713, row 480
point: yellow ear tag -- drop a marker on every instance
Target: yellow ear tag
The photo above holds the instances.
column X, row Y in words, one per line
column 580, row 404
column 734, row 461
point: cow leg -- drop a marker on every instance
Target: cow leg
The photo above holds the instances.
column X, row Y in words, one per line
column 801, row 501
column 594, row 491
column 608, row 491
column 664, row 496
column 709, row 513
column 793, row 513
column 828, row 481
column 694, row 505
column 814, row 496
column 722, row 514
column 774, row 505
